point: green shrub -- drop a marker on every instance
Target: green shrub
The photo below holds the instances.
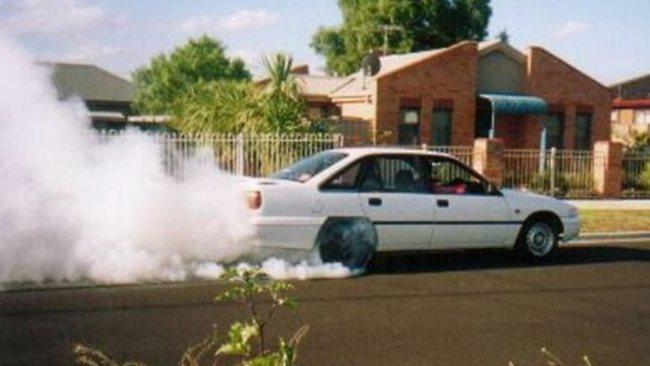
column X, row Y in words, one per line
column 644, row 177
column 245, row 343
column 552, row 360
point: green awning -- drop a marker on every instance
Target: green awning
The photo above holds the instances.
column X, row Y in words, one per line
column 517, row 105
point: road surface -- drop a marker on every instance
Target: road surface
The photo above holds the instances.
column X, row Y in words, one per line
column 472, row 308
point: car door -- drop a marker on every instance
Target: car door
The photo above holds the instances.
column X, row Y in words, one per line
column 392, row 194
column 468, row 214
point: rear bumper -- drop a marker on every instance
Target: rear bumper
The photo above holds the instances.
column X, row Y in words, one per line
column 571, row 228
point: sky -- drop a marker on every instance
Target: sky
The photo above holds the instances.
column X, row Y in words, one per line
column 609, row 40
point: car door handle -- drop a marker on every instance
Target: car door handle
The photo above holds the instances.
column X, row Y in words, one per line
column 374, row 201
column 443, row 203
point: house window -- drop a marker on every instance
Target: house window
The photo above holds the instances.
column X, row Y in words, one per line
column 441, row 127
column 583, row 131
column 409, row 126
column 555, row 130
column 642, row 117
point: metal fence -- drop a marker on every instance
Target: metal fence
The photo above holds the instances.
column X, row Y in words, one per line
column 636, row 174
column 253, row 155
column 560, row 173
column 462, row 153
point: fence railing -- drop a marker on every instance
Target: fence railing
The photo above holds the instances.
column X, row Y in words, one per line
column 636, row 174
column 253, row 155
column 560, row 173
column 462, row 153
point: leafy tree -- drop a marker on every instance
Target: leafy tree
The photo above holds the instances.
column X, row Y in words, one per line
column 168, row 77
column 503, row 36
column 219, row 107
column 400, row 26
column 275, row 106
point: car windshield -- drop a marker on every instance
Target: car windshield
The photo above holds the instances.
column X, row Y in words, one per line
column 306, row 168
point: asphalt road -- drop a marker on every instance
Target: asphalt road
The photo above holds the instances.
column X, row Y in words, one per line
column 474, row 308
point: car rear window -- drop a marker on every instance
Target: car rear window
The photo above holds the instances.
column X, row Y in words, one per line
column 305, row 169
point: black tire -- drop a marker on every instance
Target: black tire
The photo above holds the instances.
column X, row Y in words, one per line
column 348, row 241
column 537, row 240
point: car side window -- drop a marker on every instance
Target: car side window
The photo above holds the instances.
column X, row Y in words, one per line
column 346, row 180
column 447, row 176
column 392, row 174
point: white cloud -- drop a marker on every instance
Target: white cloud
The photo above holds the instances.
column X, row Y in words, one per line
column 47, row 17
column 91, row 53
column 242, row 20
column 74, row 30
column 569, row 29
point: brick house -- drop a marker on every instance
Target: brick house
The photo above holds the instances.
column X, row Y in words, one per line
column 630, row 108
column 453, row 95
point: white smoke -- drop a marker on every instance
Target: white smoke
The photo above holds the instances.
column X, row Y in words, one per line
column 73, row 209
column 281, row 269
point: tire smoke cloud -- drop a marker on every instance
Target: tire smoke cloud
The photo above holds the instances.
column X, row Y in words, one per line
column 73, row 209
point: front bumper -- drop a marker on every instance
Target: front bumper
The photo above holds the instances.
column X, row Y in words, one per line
column 571, row 228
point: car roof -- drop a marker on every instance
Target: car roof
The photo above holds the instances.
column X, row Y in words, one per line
column 373, row 150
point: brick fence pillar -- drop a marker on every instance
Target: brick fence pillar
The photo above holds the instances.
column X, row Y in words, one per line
column 608, row 168
column 488, row 158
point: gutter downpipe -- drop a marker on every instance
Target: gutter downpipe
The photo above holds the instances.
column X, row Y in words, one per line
column 493, row 124
column 542, row 148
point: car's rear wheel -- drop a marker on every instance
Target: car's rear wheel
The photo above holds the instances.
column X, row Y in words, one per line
column 348, row 241
column 537, row 240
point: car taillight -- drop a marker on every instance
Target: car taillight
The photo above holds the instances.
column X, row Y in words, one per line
column 254, row 199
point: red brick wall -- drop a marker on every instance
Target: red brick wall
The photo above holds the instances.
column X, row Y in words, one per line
column 561, row 84
column 449, row 76
column 518, row 132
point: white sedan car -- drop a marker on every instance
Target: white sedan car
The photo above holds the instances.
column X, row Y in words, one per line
column 345, row 204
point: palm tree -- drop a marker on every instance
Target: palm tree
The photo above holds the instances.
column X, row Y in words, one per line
column 281, row 80
column 234, row 106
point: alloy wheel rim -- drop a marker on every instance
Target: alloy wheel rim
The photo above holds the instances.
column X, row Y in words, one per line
column 540, row 239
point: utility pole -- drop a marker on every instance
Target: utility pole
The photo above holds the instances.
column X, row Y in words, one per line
column 386, row 28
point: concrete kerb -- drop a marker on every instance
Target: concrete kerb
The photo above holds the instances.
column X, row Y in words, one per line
column 619, row 204
column 613, row 237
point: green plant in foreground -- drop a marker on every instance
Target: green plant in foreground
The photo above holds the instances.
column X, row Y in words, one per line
column 553, row 360
column 249, row 286
column 245, row 343
column 92, row 357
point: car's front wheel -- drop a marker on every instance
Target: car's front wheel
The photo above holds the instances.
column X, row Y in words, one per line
column 348, row 241
column 537, row 240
